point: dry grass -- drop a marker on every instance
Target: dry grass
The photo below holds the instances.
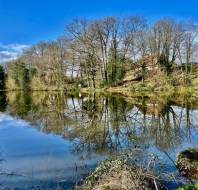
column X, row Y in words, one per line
column 117, row 175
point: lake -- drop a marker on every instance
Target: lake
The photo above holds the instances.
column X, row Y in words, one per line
column 50, row 140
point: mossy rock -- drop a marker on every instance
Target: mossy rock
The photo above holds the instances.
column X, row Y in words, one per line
column 187, row 163
column 117, row 175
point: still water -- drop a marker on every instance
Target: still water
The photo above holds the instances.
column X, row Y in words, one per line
column 53, row 140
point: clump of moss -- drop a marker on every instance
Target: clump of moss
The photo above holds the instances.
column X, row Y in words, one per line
column 118, row 175
column 187, row 163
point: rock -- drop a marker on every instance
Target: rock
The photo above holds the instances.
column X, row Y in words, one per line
column 187, row 163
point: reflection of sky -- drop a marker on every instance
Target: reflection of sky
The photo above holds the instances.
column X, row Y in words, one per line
column 35, row 155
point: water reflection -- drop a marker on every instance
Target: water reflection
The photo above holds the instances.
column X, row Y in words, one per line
column 3, row 102
column 102, row 125
column 106, row 123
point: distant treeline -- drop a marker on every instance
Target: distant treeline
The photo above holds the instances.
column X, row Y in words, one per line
column 97, row 53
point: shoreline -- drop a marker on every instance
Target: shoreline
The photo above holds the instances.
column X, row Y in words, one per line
column 124, row 91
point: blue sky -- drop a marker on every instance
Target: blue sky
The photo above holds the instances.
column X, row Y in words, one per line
column 25, row 22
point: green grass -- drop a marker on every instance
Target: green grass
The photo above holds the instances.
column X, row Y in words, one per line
column 189, row 187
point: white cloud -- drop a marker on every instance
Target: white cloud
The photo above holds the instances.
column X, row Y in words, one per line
column 10, row 52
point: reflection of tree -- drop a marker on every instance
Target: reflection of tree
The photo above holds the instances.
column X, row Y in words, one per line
column 162, row 121
column 3, row 101
column 50, row 112
column 101, row 131
column 105, row 124
column 19, row 103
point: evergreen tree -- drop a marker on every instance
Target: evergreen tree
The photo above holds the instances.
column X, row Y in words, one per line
column 2, row 78
column 22, row 76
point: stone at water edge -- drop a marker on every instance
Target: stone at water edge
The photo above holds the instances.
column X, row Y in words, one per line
column 187, row 163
